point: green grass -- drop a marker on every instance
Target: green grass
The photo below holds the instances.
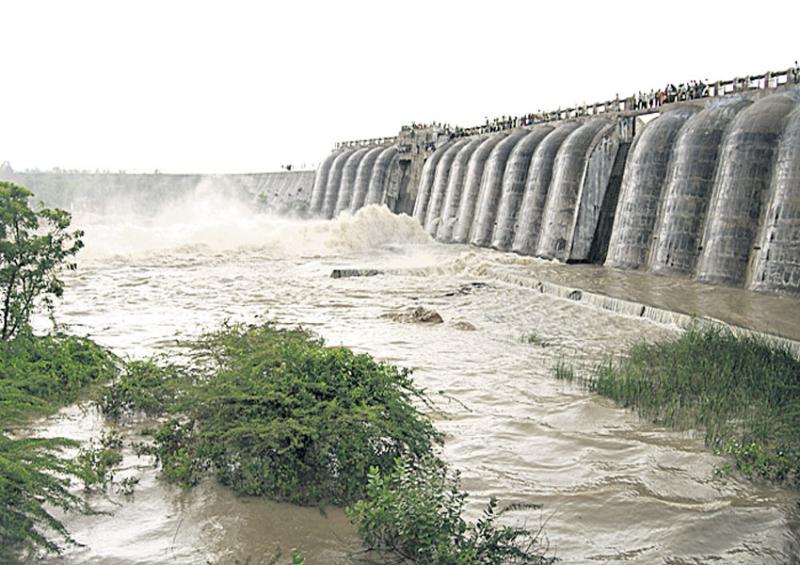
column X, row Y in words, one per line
column 744, row 392
column 533, row 338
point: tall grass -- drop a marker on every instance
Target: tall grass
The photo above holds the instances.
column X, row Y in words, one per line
column 743, row 391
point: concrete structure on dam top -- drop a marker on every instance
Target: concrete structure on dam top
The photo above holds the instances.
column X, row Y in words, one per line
column 702, row 186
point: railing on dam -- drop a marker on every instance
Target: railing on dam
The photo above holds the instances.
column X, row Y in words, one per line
column 356, row 143
column 639, row 103
column 642, row 102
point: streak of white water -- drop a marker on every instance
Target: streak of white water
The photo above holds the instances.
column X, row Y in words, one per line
column 614, row 488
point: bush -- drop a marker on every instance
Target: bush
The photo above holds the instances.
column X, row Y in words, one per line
column 414, row 512
column 744, row 391
column 274, row 412
column 37, row 376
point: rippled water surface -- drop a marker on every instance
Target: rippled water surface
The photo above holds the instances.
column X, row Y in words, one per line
column 613, row 488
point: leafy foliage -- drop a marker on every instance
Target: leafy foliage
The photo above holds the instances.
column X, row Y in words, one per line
column 40, row 374
column 744, row 391
column 274, row 412
column 34, row 247
column 32, row 474
column 414, row 512
column 37, row 375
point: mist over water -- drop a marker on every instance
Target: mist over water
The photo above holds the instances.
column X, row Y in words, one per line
column 613, row 488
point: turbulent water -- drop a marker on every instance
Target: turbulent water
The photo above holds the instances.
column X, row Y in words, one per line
column 613, row 488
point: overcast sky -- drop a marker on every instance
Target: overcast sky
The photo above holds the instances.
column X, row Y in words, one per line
column 234, row 86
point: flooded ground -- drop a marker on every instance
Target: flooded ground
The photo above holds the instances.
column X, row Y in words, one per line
column 613, row 488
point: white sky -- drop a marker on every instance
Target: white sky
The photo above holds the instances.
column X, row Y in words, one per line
column 235, row 86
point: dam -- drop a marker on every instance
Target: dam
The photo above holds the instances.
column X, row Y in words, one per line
column 705, row 188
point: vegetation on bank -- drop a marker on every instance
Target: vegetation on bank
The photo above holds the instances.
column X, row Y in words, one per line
column 743, row 391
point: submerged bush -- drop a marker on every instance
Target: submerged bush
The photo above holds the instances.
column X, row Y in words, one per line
column 414, row 512
column 274, row 412
column 744, row 391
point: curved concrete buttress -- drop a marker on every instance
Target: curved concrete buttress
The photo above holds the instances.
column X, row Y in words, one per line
column 742, row 181
column 687, row 189
column 334, row 182
column 491, row 187
column 363, row 175
column 560, row 209
column 455, row 184
column 348, row 181
column 391, row 188
column 321, row 183
column 642, row 186
column 777, row 264
column 472, row 186
column 426, row 183
column 440, row 181
column 380, row 175
column 529, row 218
column 514, row 180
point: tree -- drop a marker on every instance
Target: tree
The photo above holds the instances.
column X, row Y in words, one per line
column 35, row 246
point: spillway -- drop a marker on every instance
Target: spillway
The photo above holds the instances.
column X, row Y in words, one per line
column 491, row 187
column 641, row 191
column 777, row 266
column 347, row 184
column 321, row 184
column 380, row 176
column 426, row 183
column 334, row 183
column 440, row 184
column 707, row 188
column 540, row 173
column 363, row 176
column 472, row 186
column 455, row 186
column 743, row 177
column 514, row 182
column 688, row 187
column 558, row 217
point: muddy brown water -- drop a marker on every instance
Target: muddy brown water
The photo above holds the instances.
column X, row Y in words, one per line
column 613, row 488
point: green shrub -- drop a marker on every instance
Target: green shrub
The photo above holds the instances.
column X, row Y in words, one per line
column 414, row 512
column 274, row 412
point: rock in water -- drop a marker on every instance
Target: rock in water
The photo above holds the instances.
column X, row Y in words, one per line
column 418, row 315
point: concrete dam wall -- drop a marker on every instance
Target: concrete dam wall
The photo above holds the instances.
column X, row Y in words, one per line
column 707, row 189
column 284, row 192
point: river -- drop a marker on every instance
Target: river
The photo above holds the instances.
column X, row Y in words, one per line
column 613, row 488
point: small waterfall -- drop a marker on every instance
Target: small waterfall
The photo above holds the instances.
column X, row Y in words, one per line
column 688, row 188
column 514, row 182
column 560, row 211
column 491, row 185
column 348, row 181
column 642, row 185
column 455, row 185
column 380, row 176
column 334, row 182
column 426, row 183
column 440, row 182
column 320, row 184
column 472, row 186
column 526, row 232
column 363, row 176
column 745, row 170
column 777, row 265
